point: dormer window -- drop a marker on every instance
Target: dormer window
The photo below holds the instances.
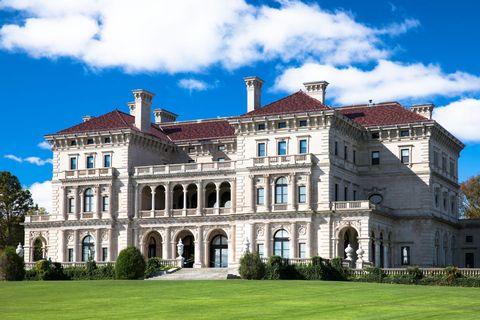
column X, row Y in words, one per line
column 375, row 135
column 404, row 133
column 221, row 147
column 73, row 142
column 107, row 140
column 191, row 150
column 261, row 126
column 302, row 123
column 282, row 125
column 90, row 141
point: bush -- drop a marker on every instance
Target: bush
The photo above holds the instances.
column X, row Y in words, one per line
column 90, row 267
column 374, row 274
column 106, row 272
column 452, row 274
column 415, row 274
column 76, row 273
column 130, row 264
column 251, row 267
column 278, row 268
column 47, row 270
column 12, row 267
column 30, row 275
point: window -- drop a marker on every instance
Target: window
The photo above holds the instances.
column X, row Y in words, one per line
column 70, row 255
column 302, row 146
column 73, row 163
column 345, row 152
column 261, row 152
column 191, row 150
column 405, row 255
column 90, row 162
column 90, row 141
column 445, row 201
column 281, row 191
column 282, row 148
column 336, row 192
column 302, row 194
column 469, row 260
column 345, row 193
column 404, row 133
column 105, row 203
column 354, row 156
column 375, row 158
column 261, row 126
column 405, row 156
column 469, row 239
column 354, row 195
column 73, row 142
column 281, row 244
column 302, row 250
column 221, row 159
column 335, row 148
column 437, row 195
column 260, row 249
column 107, row 140
column 452, row 168
column 107, row 161
column 435, row 159
column 191, row 161
column 281, row 125
column 375, row 135
column 88, row 201
column 444, row 164
column 88, row 248
column 221, row 147
column 260, row 196
column 104, row 254
column 71, row 205
column 302, row 123
column 452, row 204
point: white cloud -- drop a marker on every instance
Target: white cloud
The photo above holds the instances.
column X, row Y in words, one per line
column 33, row 160
column 461, row 118
column 44, row 145
column 42, row 194
column 193, row 84
column 179, row 36
column 387, row 81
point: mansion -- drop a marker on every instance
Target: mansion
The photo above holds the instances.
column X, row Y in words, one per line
column 294, row 178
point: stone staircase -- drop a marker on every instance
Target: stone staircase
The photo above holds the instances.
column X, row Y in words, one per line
column 197, row 274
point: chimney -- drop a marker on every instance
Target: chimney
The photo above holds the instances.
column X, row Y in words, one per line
column 87, row 118
column 143, row 101
column 254, row 92
column 164, row 116
column 424, row 110
column 131, row 107
column 316, row 90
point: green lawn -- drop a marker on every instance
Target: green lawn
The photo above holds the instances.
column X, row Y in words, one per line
column 234, row 299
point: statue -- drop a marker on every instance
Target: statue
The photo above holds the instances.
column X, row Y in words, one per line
column 180, row 248
column 20, row 250
column 349, row 252
column 359, row 264
column 246, row 246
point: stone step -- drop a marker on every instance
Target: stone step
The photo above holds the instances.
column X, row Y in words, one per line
column 196, row 274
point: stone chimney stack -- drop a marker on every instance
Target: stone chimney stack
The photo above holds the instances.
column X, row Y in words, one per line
column 164, row 116
column 143, row 102
column 425, row 110
column 254, row 92
column 87, row 118
column 131, row 107
column 316, row 89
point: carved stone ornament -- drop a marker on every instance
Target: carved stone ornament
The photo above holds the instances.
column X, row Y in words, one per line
column 105, row 235
column 260, row 231
column 70, row 237
column 302, row 230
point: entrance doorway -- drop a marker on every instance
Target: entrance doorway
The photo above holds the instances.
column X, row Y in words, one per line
column 469, row 260
column 219, row 252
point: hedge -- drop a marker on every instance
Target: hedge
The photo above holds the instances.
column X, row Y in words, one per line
column 12, row 267
column 130, row 264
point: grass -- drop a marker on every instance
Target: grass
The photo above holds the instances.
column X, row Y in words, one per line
column 234, row 299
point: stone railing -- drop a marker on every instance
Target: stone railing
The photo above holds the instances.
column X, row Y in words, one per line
column 467, row 272
column 184, row 168
column 87, row 173
column 37, row 218
column 351, row 205
column 282, row 160
column 163, row 262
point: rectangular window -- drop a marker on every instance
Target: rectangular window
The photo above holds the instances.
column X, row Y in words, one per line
column 221, row 147
column 345, row 152
column 435, row 159
column 191, row 150
column 70, row 255
column 261, row 126
column 260, row 196
column 71, row 205
column 73, row 142
column 302, row 250
column 73, row 163
column 335, row 148
column 375, row 158
column 444, row 164
column 445, row 201
column 104, row 254
column 375, row 135
column 303, row 146
column 281, row 125
column 354, row 195
column 191, row 161
column 89, row 141
column 452, row 204
column 404, row 133
column 221, row 159
column 302, row 194
column 336, row 192
column 437, row 195
column 405, row 255
column 107, row 161
column 354, row 156
column 452, row 169
column 405, row 156
column 302, row 123
column 345, row 194
column 107, row 140
column 261, row 250
column 261, row 152
column 282, row 148
column 90, row 162
column 105, row 204
column 469, row 260
column 469, row 239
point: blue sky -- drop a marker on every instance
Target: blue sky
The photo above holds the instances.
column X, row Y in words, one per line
column 60, row 60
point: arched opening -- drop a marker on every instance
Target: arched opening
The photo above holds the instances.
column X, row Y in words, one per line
column 281, row 244
column 160, row 198
column 88, row 248
column 382, row 251
column 146, row 198
column 219, row 251
column 372, row 248
column 153, row 245
column 452, row 249
column 347, row 236
column 437, row 249
column 188, row 247
column 225, row 195
column 445, row 249
column 88, row 200
column 210, row 195
column 39, row 249
column 192, row 196
column 281, row 191
column 178, row 197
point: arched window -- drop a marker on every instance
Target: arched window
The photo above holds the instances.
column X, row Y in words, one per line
column 88, row 200
column 38, row 250
column 281, row 193
column 88, row 248
column 152, row 247
column 281, row 244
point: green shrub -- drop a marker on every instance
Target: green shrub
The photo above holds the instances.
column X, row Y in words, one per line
column 374, row 274
column 12, row 267
column 153, row 267
column 273, row 269
column 90, row 268
column 130, row 264
column 47, row 270
column 415, row 274
column 30, row 275
column 452, row 274
column 76, row 273
column 251, row 267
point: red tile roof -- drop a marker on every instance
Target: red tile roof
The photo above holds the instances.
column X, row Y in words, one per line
column 198, row 130
column 389, row 113
column 297, row 102
column 114, row 120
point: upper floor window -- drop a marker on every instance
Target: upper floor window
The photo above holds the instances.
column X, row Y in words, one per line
column 89, row 141
column 261, row 151
column 261, row 126
column 375, row 157
column 260, row 196
column 88, row 200
column 452, row 168
column 107, row 140
column 221, row 147
column 404, row 133
column 345, row 152
column 437, row 196
column 345, row 194
column 73, row 142
column 71, row 205
column 469, row 239
column 107, row 161
column 282, row 148
column 452, row 204
column 302, row 146
column 354, row 156
column 375, row 135
column 444, row 163
column 335, row 148
column 191, row 150
column 405, row 156
column 435, row 159
column 354, row 195
column 191, row 161
column 302, row 123
column 105, row 203
column 90, row 162
column 445, row 201
column 336, row 192
column 302, row 194
column 281, row 125
column 281, row 190
column 73, row 163
column 221, row 159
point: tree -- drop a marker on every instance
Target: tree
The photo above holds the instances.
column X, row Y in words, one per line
column 14, row 204
column 471, row 197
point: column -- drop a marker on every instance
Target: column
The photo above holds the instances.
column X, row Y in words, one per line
column 62, row 246
column 110, row 201
column 386, row 255
column 267, row 192
column 77, row 250
column 309, row 240
column 184, row 211
column 168, row 200
column 253, row 240
column 252, row 194
column 198, row 248
column 217, row 204
column 166, row 244
column 268, row 241
column 231, row 246
column 136, row 199
column 98, row 245
column 292, row 201
column 233, row 195
column 153, row 189
column 111, row 242
column 309, row 192
column 200, row 196
column 98, row 200
column 77, row 203
column 293, row 240
column 377, row 253
column 64, row 203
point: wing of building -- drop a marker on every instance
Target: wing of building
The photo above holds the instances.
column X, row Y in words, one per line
column 293, row 178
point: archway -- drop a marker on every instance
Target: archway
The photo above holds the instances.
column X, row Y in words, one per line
column 160, row 198
column 210, row 195
column 39, row 249
column 146, row 198
column 225, row 195
column 192, row 196
column 219, row 250
column 188, row 247
column 347, row 236
column 281, row 244
column 88, row 248
column 152, row 245
column 178, row 197
column 372, row 248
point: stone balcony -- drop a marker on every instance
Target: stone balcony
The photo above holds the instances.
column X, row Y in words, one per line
column 158, row 170
column 359, row 205
column 87, row 173
column 37, row 218
column 274, row 161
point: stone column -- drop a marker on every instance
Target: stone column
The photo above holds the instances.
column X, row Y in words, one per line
column 217, row 205
column 184, row 211
column 386, row 255
column 231, row 246
column 309, row 240
column 292, row 200
column 267, row 192
column 293, row 240
column 153, row 190
column 77, row 203
column 233, row 195
column 377, row 253
column 309, row 192
column 98, row 245
column 268, row 241
column 253, row 240
column 136, row 199
column 77, row 249
column 168, row 200
column 62, row 246
column 166, row 245
column 110, row 201
column 64, row 203
column 253, row 198
column 200, row 196
column 111, row 243
column 98, row 200
column 198, row 248
column 206, row 254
